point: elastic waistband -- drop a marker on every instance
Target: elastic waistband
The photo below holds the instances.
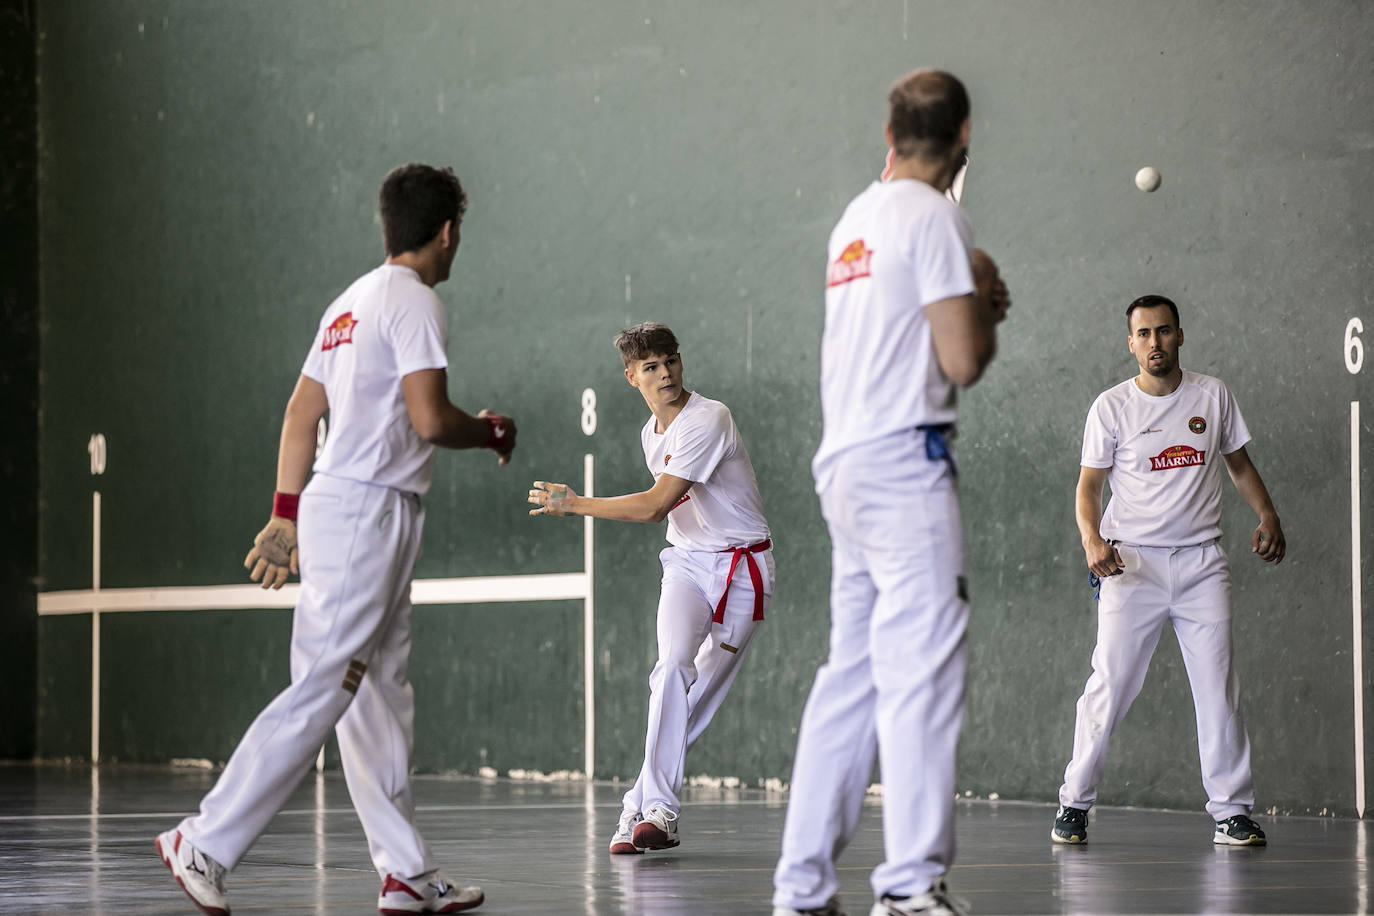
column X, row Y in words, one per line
column 1207, row 543
column 327, row 480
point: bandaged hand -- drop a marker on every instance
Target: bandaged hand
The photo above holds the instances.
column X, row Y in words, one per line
column 274, row 555
column 551, row 498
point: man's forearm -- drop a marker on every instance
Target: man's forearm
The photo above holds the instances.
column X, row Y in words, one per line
column 460, row 430
column 296, row 454
column 1088, row 512
column 1252, row 489
column 633, row 507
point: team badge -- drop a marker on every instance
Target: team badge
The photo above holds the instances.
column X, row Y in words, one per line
column 1198, row 425
column 666, row 458
column 852, row 264
column 1177, row 456
column 340, row 332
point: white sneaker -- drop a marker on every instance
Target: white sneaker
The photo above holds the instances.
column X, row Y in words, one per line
column 658, row 830
column 831, row 908
column 427, row 893
column 201, row 877
column 935, row 902
column 623, row 840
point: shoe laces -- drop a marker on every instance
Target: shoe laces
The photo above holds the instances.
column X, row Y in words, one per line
column 1243, row 822
column 957, row 906
column 211, row 870
column 1075, row 816
column 628, row 819
column 937, row 900
column 661, row 813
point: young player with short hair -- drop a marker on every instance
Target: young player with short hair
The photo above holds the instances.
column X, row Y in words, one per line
column 1157, row 552
column 704, row 486
column 378, row 365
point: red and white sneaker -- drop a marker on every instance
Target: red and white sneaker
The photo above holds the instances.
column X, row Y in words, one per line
column 658, row 830
column 427, row 893
column 623, row 841
column 201, row 877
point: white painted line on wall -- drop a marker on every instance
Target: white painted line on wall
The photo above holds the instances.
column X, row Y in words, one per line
column 93, row 606
column 588, row 631
column 1357, row 601
column 473, row 590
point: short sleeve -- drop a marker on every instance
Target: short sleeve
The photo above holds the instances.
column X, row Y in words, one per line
column 942, row 244
column 1099, row 437
column 419, row 335
column 700, row 445
column 314, row 361
column 1234, row 434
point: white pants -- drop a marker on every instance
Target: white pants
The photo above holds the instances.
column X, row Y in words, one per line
column 893, row 683
column 697, row 662
column 350, row 633
column 1190, row 586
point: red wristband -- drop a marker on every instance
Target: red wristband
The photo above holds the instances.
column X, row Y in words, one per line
column 285, row 504
column 498, row 434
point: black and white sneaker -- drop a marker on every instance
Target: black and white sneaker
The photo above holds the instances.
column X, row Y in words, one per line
column 1238, row 830
column 1070, row 825
column 935, row 902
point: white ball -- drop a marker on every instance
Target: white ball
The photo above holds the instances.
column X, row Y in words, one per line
column 1147, row 179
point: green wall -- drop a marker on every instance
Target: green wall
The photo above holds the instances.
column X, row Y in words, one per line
column 208, row 184
column 18, row 376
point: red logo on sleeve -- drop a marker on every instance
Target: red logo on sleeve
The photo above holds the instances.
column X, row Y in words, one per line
column 1177, row 456
column 340, row 332
column 852, row 264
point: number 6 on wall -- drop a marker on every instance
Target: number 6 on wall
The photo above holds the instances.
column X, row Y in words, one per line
column 1354, row 347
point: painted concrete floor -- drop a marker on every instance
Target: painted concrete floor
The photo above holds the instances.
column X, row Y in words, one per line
column 74, row 843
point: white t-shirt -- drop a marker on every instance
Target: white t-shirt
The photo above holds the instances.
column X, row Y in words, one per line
column 388, row 324
column 899, row 246
column 1165, row 459
column 722, row 508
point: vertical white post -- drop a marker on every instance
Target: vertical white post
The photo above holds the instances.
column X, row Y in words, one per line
column 95, row 629
column 588, row 631
column 1357, row 603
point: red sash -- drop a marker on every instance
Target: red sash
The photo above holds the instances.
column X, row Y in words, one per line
column 755, row 577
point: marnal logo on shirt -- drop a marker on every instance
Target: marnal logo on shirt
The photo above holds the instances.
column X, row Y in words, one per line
column 852, row 264
column 340, row 332
column 1177, row 456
